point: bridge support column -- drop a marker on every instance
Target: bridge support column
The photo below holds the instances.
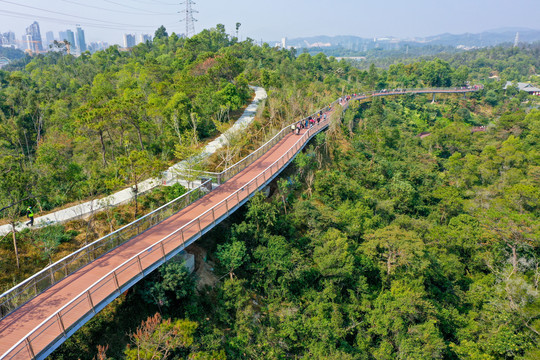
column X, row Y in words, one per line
column 433, row 100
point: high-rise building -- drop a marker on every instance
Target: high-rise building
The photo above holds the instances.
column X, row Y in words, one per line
column 81, row 42
column 50, row 37
column 97, row 46
column 33, row 31
column 129, row 40
column 63, row 35
column 70, row 36
column 11, row 37
column 145, row 37
column 28, row 43
column 7, row 39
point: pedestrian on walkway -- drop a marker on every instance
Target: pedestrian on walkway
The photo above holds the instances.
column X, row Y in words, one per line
column 30, row 215
column 292, row 128
column 298, row 126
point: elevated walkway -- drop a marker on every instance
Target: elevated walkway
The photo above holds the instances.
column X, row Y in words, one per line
column 46, row 309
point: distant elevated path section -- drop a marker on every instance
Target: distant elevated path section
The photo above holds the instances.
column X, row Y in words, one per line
column 43, row 311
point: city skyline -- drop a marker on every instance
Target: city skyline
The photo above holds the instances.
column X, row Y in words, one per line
column 109, row 21
column 37, row 41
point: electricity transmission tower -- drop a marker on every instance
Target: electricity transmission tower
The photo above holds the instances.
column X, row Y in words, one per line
column 188, row 17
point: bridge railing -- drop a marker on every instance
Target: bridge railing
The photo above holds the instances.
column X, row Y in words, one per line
column 463, row 89
column 26, row 290
column 221, row 177
column 53, row 273
column 29, row 288
column 68, row 316
column 65, row 319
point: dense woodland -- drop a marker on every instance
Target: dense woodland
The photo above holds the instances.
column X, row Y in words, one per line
column 376, row 244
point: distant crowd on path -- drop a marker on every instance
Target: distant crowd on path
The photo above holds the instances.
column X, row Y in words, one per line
column 311, row 120
column 308, row 123
column 344, row 100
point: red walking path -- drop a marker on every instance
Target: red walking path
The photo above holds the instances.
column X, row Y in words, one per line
column 35, row 329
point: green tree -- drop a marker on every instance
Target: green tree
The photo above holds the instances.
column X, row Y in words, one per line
column 135, row 167
column 14, row 191
column 333, row 258
column 157, row 338
column 161, row 33
column 398, row 251
column 172, row 283
column 232, row 255
column 49, row 238
column 437, row 73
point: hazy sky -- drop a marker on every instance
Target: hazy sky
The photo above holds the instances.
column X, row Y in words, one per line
column 108, row 20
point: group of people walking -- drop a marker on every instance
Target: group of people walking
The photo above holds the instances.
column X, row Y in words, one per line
column 307, row 123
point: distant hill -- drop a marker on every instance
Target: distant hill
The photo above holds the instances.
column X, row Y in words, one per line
column 11, row 53
column 467, row 40
column 487, row 38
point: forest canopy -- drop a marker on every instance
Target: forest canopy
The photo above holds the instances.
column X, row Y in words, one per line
column 375, row 244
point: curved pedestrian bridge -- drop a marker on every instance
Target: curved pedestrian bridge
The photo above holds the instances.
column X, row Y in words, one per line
column 44, row 310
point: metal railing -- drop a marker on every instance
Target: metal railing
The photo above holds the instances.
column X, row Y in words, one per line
column 221, row 177
column 463, row 89
column 64, row 320
column 52, row 274
column 29, row 288
column 47, row 277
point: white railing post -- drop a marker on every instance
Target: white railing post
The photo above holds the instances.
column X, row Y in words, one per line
column 89, row 297
column 62, row 327
column 30, row 349
column 115, row 278
column 163, row 251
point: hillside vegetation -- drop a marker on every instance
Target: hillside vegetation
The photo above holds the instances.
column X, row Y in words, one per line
column 376, row 244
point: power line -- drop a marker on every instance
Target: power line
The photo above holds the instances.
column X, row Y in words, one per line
column 129, row 7
column 115, row 11
column 83, row 23
column 72, row 16
column 155, row 1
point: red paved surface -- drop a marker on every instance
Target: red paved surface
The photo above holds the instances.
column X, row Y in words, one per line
column 22, row 321
column 18, row 324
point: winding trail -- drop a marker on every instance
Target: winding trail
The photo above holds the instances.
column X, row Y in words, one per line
column 169, row 178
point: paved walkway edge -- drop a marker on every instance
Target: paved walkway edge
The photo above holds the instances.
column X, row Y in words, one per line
column 169, row 176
